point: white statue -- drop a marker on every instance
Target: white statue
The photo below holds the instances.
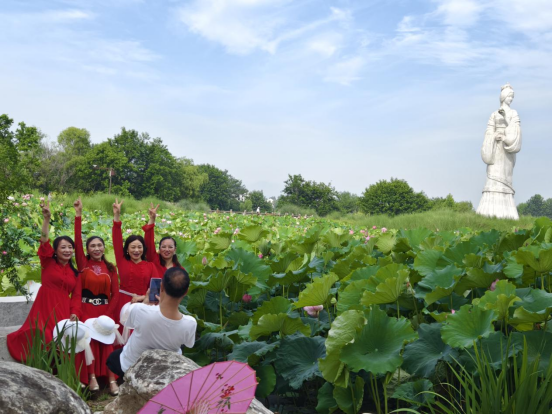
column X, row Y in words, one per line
column 502, row 142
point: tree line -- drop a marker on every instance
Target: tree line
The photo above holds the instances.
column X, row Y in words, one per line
column 134, row 163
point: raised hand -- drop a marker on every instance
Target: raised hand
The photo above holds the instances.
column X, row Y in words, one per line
column 117, row 207
column 46, row 213
column 78, row 207
column 152, row 212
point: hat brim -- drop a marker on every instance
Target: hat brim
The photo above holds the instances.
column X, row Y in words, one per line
column 65, row 341
column 94, row 334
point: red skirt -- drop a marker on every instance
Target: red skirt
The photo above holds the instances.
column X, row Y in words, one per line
column 49, row 307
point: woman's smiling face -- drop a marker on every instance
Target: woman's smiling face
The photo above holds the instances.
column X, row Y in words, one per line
column 95, row 249
column 136, row 250
column 167, row 249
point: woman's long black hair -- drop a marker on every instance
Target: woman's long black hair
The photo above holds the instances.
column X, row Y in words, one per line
column 68, row 239
column 110, row 266
column 175, row 261
column 130, row 239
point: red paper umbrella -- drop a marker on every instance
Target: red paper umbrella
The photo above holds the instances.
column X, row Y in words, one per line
column 222, row 387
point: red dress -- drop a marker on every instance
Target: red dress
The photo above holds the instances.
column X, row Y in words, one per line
column 151, row 254
column 100, row 284
column 58, row 298
column 135, row 277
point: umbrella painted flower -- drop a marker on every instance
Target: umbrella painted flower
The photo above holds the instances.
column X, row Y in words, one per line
column 222, row 387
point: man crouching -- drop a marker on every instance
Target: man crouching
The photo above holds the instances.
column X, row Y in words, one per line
column 156, row 327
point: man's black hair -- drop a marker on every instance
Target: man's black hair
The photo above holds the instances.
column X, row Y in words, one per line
column 176, row 282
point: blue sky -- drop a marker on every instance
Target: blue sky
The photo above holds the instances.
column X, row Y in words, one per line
column 340, row 91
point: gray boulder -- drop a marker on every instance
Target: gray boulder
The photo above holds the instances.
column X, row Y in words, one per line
column 152, row 372
column 30, row 390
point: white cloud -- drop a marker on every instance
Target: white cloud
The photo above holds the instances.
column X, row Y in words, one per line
column 245, row 26
column 462, row 13
column 325, row 44
column 346, row 71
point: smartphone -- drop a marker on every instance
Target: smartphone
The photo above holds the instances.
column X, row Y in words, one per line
column 155, row 286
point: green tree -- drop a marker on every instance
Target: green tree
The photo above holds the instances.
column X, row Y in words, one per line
column 192, row 179
column 439, row 203
column 536, row 206
column 393, row 197
column 309, row 194
column 347, row 202
column 221, row 190
column 259, row 200
column 20, row 155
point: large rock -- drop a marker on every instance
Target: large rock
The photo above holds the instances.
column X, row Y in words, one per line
column 30, row 390
column 152, row 372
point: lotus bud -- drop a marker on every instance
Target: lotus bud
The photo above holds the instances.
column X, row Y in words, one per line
column 204, row 261
column 313, row 310
column 383, row 229
column 493, row 285
column 260, row 255
column 246, row 298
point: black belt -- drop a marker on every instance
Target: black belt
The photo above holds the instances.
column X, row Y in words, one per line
column 95, row 301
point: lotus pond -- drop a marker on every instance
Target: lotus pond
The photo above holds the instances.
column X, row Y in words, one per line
column 336, row 318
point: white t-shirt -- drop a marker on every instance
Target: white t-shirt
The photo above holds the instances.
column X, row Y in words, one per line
column 154, row 331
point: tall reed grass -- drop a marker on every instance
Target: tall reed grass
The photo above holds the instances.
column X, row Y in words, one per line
column 442, row 220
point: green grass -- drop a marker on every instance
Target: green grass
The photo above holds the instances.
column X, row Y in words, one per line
column 443, row 220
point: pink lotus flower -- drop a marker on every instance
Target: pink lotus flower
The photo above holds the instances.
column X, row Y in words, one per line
column 493, row 285
column 383, row 229
column 4, row 252
column 129, row 231
column 367, row 238
column 24, row 204
column 16, row 204
column 236, row 231
column 163, row 220
column 313, row 310
column 260, row 255
column 61, row 204
column 453, row 311
column 246, row 298
column 61, row 213
column 6, row 220
column 204, row 261
column 374, row 227
column 41, row 198
column 351, row 232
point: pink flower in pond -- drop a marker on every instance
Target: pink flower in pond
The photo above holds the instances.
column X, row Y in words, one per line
column 61, row 213
column 204, row 261
column 41, row 198
column 236, row 231
column 374, row 227
column 246, row 298
column 493, row 285
column 6, row 220
column 367, row 238
column 313, row 310
column 4, row 252
column 383, row 229
column 453, row 311
column 16, row 204
column 163, row 220
column 129, row 231
column 351, row 232
column 260, row 255
column 61, row 204
column 24, row 204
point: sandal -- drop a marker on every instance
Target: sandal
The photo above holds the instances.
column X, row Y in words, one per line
column 93, row 384
column 113, row 388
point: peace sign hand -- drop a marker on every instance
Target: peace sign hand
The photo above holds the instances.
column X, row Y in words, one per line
column 46, row 213
column 152, row 212
column 117, row 209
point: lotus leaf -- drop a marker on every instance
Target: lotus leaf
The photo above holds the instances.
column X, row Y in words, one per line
column 297, row 359
column 500, row 299
column 415, row 237
column 537, row 258
column 386, row 242
column 266, row 378
column 539, row 345
column 468, row 325
column 219, row 243
column 495, row 348
column 281, row 323
column 389, row 290
column 277, row 304
column 421, row 356
column 326, row 402
column 535, row 306
column 316, row 293
column 252, row 234
column 349, row 400
column 377, row 347
column 350, row 296
column 415, row 392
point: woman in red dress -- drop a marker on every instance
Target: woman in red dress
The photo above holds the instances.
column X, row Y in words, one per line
column 166, row 258
column 100, row 293
column 134, row 271
column 58, row 298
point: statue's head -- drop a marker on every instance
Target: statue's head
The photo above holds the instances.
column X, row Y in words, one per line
column 506, row 92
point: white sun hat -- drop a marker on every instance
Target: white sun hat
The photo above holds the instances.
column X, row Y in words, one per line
column 68, row 330
column 104, row 329
column 125, row 313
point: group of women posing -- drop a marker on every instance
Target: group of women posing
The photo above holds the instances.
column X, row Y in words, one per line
column 93, row 288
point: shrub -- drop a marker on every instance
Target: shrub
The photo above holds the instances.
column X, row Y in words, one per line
column 393, row 197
